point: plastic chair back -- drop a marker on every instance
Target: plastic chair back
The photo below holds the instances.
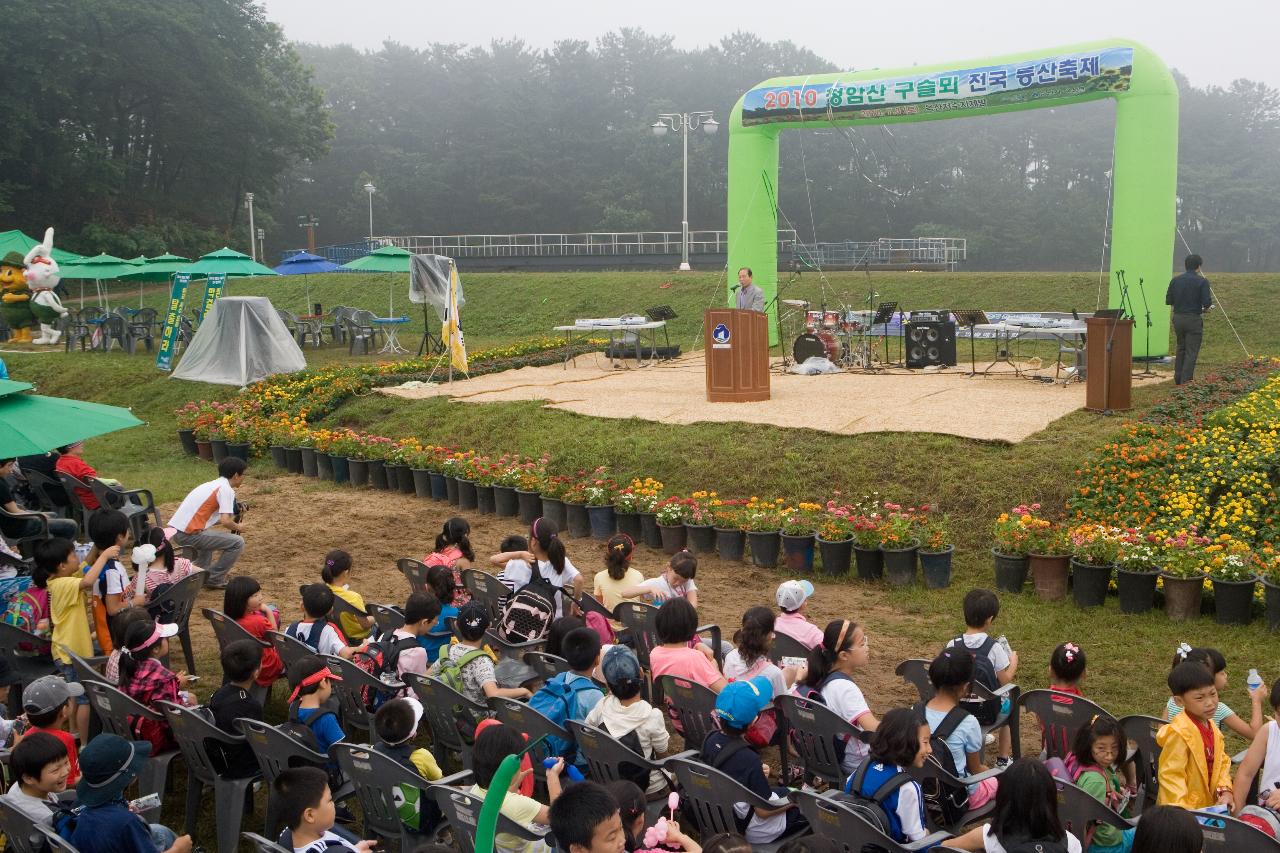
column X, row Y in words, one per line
column 710, row 796
column 547, row 666
column 20, row 830
column 786, row 646
column 289, row 648
column 227, row 630
column 462, row 811
column 415, row 571
column 846, row 829
column 1061, row 716
column 693, row 706
column 438, row 704
column 386, row 617
column 1140, row 729
column 377, row 779
column 815, row 732
column 608, row 759
column 175, row 605
column 525, row 719
column 350, row 689
column 486, row 589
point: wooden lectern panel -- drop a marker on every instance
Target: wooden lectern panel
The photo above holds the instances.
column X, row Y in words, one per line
column 736, row 344
column 1110, row 381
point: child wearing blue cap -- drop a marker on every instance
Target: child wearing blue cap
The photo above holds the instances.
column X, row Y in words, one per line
column 737, row 707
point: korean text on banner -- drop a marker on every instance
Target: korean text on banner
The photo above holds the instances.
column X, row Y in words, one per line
column 169, row 340
column 212, row 290
column 452, row 331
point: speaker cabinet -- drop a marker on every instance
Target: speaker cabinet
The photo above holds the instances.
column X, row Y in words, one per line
column 929, row 343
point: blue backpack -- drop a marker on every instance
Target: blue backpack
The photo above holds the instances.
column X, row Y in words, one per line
column 558, row 702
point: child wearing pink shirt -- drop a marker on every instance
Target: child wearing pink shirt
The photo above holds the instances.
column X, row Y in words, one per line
column 676, row 625
column 793, row 596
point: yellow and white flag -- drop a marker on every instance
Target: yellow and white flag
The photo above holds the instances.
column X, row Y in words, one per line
column 451, row 331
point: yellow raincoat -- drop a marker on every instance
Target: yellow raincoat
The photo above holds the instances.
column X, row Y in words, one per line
column 1184, row 773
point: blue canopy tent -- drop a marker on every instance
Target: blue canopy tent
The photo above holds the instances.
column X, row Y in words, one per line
column 304, row 264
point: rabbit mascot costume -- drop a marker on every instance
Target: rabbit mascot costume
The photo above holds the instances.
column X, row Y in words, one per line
column 42, row 277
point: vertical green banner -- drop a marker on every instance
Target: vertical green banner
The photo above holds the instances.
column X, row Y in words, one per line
column 212, row 290
column 177, row 297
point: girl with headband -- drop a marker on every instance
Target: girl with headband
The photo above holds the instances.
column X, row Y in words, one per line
column 147, row 681
column 546, row 553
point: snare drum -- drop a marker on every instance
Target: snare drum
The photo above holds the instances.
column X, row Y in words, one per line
column 820, row 344
column 813, row 320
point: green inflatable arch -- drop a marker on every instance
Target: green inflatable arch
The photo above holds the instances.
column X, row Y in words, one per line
column 1146, row 142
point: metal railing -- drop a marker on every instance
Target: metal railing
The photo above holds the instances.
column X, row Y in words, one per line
column 944, row 252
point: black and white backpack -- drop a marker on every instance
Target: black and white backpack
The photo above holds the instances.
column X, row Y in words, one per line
column 528, row 613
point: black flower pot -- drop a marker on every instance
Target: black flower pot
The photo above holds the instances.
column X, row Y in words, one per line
column 293, row 459
column 701, row 538
column 1183, row 597
column 404, row 477
column 674, row 537
column 1271, row 596
column 341, row 466
column 629, row 523
column 468, row 499
column 576, row 520
column 602, row 521
column 869, row 561
column 421, row 479
column 765, row 545
column 324, row 466
column 900, row 565
column 797, row 552
column 530, row 506
column 309, row 462
column 377, row 474
column 219, row 446
column 439, row 486
column 649, row 530
column 187, row 437
column 1089, row 583
column 935, row 567
column 450, row 490
column 1137, row 590
column 505, row 504
column 393, row 479
column 1233, row 601
column 359, row 471
column 1011, row 571
column 484, row 499
column 240, row 450
column 553, row 510
column 731, row 544
column 836, row 556
column 279, row 457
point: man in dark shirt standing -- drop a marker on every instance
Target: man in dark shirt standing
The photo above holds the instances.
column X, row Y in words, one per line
column 1190, row 296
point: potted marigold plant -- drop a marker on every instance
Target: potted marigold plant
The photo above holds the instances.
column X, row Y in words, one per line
column 1010, row 535
column 1183, row 576
column 1094, row 551
column 700, row 522
column 900, row 543
column 599, row 493
column 345, row 447
column 799, row 524
column 1267, row 565
column 453, row 465
column 532, row 477
column 671, row 513
column 835, row 539
column 1137, row 570
column 936, row 549
column 1231, row 569
column 762, row 520
column 731, row 538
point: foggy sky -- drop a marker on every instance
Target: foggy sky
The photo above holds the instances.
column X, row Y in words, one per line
column 1210, row 42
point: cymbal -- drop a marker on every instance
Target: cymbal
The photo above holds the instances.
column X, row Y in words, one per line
column 796, row 303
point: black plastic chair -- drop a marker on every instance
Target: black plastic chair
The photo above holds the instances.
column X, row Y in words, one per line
column 932, row 770
column 486, row 589
column 277, row 751
column 377, row 779
column 138, row 505
column 916, row 673
column 609, row 760
column 51, row 494
column 386, row 617
column 415, row 572
column 360, row 335
column 24, row 544
column 76, row 508
column 227, row 630
column 1229, row 835
column 1061, row 716
column 710, row 795
column 290, row 649
column 637, row 617
column 590, row 604
column 86, row 670
column 28, row 666
column 341, row 607
column 786, row 646
column 114, row 329
column 1079, row 810
column 1140, row 729
column 462, row 811
column 349, row 689
column 508, row 649
column 193, row 734
column 438, row 704
column 262, row 845
column 547, row 666
column 845, row 828
column 117, row 713
column 174, row 605
column 139, row 328
column 76, row 332
column 692, row 707
column 815, row 729
column 22, row 832
column 534, row 725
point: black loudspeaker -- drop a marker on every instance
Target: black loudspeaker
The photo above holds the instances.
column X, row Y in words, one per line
column 930, row 343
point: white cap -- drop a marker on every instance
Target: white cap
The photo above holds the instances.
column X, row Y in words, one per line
column 792, row 594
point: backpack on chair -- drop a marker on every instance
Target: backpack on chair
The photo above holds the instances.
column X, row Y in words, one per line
column 871, row 807
column 987, row 711
column 381, row 659
column 449, row 672
column 945, row 802
column 529, row 612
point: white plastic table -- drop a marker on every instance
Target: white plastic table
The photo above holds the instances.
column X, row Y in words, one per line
column 617, row 332
column 389, row 325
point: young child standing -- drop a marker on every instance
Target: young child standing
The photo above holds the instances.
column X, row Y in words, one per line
column 675, row 582
column 618, row 574
column 493, row 744
column 793, row 599
column 336, row 573
column 994, row 664
column 843, row 651
column 306, row 807
column 243, row 602
column 68, row 596
column 623, row 711
column 474, row 664
column 453, row 552
column 901, row 742
column 1098, row 749
column 1194, row 771
column 107, row 528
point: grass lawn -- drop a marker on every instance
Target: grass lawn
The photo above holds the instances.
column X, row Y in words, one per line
column 970, row 480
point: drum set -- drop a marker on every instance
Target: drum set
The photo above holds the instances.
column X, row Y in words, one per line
column 844, row 337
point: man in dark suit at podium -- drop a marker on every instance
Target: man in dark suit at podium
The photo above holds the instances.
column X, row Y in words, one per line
column 1190, row 296
column 750, row 297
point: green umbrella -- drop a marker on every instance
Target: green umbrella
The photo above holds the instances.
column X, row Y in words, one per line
column 31, row 423
column 228, row 262
column 99, row 268
column 386, row 259
column 159, row 268
column 16, row 241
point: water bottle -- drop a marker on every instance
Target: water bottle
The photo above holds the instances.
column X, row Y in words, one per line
column 1254, row 680
column 1004, row 643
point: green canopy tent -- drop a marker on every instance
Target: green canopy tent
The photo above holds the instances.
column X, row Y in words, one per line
column 99, row 268
column 16, row 241
column 159, row 268
column 31, row 423
column 228, row 262
column 386, row 259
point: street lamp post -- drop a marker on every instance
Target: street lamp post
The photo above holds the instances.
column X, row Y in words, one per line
column 248, row 203
column 262, row 244
column 683, row 123
column 370, row 189
column 310, row 223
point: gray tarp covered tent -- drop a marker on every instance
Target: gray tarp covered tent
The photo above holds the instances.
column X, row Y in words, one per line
column 241, row 341
column 429, row 283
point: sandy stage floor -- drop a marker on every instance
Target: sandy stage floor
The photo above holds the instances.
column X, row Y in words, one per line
column 996, row 407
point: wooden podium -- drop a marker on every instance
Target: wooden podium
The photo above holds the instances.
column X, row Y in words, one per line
column 1110, row 380
column 736, row 344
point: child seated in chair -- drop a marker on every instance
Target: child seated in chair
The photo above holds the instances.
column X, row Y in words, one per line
column 494, row 744
column 306, row 807
column 396, row 726
column 316, row 631
column 571, row 695
column 40, row 767
column 241, row 663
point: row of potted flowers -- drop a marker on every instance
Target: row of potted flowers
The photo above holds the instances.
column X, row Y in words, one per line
column 1137, row 562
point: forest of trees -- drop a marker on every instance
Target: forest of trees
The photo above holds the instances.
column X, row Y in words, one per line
column 145, row 121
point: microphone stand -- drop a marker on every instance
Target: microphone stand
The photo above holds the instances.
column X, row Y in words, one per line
column 772, row 303
column 1146, row 307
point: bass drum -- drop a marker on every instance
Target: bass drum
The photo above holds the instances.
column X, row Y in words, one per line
column 820, row 344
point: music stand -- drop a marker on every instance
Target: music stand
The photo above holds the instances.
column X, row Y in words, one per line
column 1109, row 313
column 884, row 313
column 971, row 317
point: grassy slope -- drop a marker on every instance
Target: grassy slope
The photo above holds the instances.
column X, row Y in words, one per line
column 971, row 480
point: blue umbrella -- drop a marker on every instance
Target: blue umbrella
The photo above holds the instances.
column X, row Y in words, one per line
column 303, row 264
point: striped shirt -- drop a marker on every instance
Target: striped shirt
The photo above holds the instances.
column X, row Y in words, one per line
column 201, row 507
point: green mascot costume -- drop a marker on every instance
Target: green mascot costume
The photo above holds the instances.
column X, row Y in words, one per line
column 15, row 303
